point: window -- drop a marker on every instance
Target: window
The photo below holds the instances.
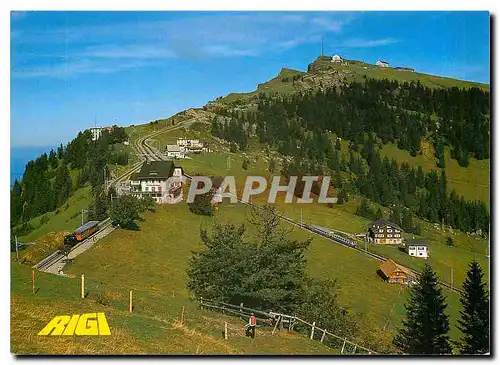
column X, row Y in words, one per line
column 397, row 231
column 381, row 230
column 420, row 248
column 153, row 189
column 389, row 230
column 397, row 235
column 389, row 235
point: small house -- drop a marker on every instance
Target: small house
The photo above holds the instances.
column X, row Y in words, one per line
column 381, row 63
column 337, row 58
column 174, row 151
column 385, row 233
column 395, row 273
column 417, row 248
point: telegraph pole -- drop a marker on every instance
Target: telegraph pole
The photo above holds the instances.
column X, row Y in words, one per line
column 86, row 211
column 17, row 250
column 452, row 278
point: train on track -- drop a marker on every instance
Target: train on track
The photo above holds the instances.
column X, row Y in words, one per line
column 81, row 233
column 327, row 233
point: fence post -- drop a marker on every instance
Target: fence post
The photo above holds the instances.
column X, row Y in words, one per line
column 83, row 286
column 312, row 329
column 130, row 306
column 225, row 330
column 343, row 345
column 33, row 280
column 276, row 325
column 323, row 335
column 182, row 315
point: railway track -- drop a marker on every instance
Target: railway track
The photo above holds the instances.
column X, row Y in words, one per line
column 57, row 255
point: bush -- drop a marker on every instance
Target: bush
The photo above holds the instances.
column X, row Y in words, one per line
column 102, row 299
column 202, row 205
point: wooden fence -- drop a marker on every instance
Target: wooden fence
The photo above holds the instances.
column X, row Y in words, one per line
column 289, row 322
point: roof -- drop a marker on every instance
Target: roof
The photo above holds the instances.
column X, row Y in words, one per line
column 416, row 242
column 156, row 170
column 86, row 226
column 384, row 222
column 173, row 148
column 389, row 267
column 383, row 61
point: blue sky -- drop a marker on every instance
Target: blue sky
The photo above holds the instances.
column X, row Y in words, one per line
column 71, row 68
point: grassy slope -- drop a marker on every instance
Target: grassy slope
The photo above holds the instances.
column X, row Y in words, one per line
column 159, row 297
column 161, row 251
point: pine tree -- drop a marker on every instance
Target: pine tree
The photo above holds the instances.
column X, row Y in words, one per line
column 474, row 322
column 425, row 328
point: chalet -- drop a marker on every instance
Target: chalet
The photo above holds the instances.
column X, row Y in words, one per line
column 394, row 273
column 337, row 58
column 408, row 69
column 417, row 248
column 382, row 63
column 385, row 233
column 151, row 181
column 174, row 151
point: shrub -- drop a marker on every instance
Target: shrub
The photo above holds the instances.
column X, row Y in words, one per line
column 102, row 299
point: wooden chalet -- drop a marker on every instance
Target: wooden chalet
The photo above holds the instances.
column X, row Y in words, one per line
column 394, row 273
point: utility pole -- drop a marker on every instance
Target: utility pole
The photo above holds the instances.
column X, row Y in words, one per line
column 105, row 183
column 452, row 278
column 17, row 251
column 20, row 244
column 86, row 211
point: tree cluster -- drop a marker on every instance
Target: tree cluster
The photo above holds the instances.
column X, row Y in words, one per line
column 426, row 324
column 268, row 273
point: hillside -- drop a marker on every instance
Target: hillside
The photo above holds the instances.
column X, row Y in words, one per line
column 323, row 73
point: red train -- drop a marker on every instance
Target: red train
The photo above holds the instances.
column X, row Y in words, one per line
column 81, row 233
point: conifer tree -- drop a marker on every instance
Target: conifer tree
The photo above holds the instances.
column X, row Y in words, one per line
column 425, row 328
column 474, row 322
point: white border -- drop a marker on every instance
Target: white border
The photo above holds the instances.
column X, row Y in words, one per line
column 492, row 6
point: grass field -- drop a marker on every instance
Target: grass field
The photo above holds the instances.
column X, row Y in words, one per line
column 153, row 328
column 162, row 248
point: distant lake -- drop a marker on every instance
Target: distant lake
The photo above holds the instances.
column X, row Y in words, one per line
column 20, row 156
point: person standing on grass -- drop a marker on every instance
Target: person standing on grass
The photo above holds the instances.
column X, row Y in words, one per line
column 252, row 323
